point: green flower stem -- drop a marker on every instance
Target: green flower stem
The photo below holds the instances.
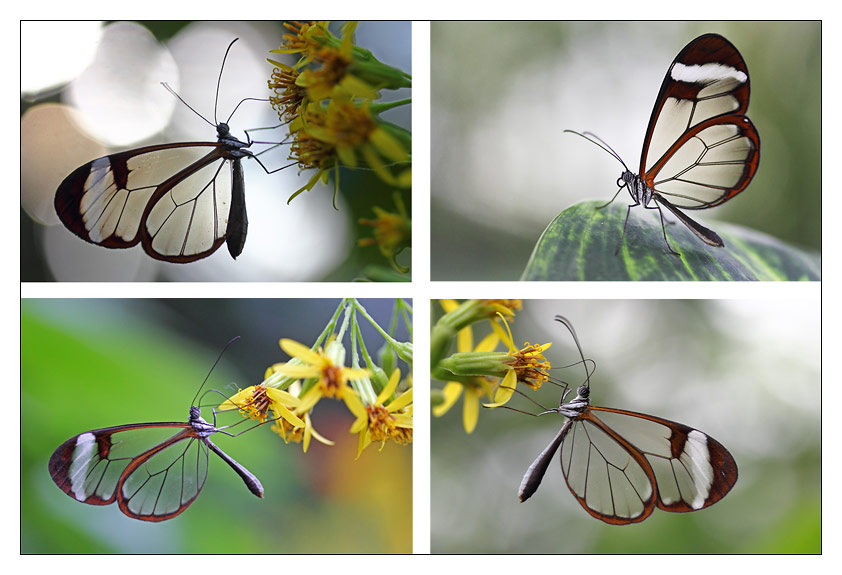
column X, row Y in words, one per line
column 383, row 106
column 404, row 349
column 448, row 326
column 473, row 363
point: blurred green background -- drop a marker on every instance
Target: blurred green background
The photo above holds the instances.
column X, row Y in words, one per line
column 87, row 364
column 503, row 92
column 746, row 372
column 115, row 90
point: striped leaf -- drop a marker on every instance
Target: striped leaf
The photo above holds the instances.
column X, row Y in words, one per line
column 580, row 242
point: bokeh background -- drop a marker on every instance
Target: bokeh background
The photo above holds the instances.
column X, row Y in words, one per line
column 87, row 364
column 503, row 92
column 746, row 372
column 104, row 94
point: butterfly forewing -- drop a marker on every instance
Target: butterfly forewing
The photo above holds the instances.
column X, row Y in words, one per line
column 181, row 191
column 708, row 78
column 691, row 469
column 88, row 466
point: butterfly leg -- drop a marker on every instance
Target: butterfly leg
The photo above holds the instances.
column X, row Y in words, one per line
column 265, row 169
column 609, row 202
column 663, row 228
column 623, row 235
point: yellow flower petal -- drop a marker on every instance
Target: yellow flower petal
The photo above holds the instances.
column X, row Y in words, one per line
column 287, row 414
column 355, row 405
column 505, row 391
column 400, row 402
column 451, row 391
column 297, row 371
column 448, row 305
column 302, row 352
column 488, row 343
column 237, row 400
column 470, row 411
column 387, row 145
column 387, row 392
column 465, row 340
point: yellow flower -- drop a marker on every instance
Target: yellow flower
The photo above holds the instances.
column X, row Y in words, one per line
column 344, row 133
column 392, row 231
column 288, row 95
column 474, row 387
column 383, row 419
column 255, row 402
column 528, row 366
column 326, row 367
column 306, row 37
column 300, row 435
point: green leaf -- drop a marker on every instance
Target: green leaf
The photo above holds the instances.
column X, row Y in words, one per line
column 580, row 243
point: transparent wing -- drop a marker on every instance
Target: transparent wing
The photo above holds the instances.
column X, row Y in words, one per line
column 179, row 190
column 188, row 216
column 611, row 459
column 88, row 466
column 708, row 78
column 164, row 481
column 709, row 165
column 609, row 477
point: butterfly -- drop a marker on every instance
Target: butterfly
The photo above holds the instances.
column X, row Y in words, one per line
column 700, row 148
column 180, row 201
column 620, row 465
column 154, row 471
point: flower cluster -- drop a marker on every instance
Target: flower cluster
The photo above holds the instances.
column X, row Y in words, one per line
column 329, row 99
column 480, row 371
column 290, row 392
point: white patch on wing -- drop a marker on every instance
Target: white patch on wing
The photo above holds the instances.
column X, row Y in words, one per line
column 83, row 454
column 696, row 458
column 706, row 73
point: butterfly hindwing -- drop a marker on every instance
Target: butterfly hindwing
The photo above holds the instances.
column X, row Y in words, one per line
column 164, row 481
column 610, row 478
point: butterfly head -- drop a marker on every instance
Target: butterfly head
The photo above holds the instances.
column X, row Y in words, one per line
column 222, row 130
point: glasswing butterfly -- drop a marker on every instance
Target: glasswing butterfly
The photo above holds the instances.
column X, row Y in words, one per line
column 700, row 148
column 154, row 471
column 180, row 201
column 621, row 465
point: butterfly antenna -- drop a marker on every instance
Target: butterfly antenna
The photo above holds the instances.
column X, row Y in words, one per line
column 594, row 139
column 219, row 81
column 227, row 345
column 563, row 320
column 174, row 93
column 228, row 121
